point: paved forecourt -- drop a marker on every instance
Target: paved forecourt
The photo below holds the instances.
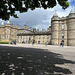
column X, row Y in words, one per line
column 68, row 52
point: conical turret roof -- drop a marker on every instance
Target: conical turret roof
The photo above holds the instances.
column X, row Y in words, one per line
column 2, row 23
column 8, row 22
column 55, row 14
column 72, row 11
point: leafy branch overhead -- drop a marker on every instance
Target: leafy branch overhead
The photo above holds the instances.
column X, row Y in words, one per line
column 8, row 7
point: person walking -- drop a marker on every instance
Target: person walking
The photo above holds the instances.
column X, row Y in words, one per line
column 62, row 43
column 15, row 42
column 45, row 43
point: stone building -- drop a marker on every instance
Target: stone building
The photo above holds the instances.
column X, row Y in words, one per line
column 63, row 29
column 27, row 35
column 9, row 32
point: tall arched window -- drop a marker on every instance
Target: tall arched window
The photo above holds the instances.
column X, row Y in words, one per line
column 7, row 36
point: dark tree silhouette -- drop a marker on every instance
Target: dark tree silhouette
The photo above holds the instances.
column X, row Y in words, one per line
column 8, row 7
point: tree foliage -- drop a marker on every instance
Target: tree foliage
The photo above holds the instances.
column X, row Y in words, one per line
column 8, row 7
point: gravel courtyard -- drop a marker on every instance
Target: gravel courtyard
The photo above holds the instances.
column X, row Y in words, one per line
column 27, row 59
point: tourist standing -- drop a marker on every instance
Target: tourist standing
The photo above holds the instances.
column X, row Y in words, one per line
column 15, row 42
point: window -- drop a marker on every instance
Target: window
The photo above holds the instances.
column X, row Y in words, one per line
column 7, row 36
column 21, row 32
column 18, row 37
column 39, row 37
column 43, row 36
column 7, row 32
column 16, row 33
column 26, row 37
column 62, row 26
column 15, row 37
column 29, row 38
column 62, row 36
column 47, row 37
column 12, row 31
column 23, row 37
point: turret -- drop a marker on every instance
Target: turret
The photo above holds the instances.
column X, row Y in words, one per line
column 71, row 28
column 72, row 13
column 54, row 29
column 8, row 22
column 55, row 17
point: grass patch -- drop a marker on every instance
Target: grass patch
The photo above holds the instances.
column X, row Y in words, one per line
column 4, row 42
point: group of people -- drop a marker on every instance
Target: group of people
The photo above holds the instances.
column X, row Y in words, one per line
column 12, row 42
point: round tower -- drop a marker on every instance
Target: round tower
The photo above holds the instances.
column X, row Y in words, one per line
column 71, row 29
column 54, row 29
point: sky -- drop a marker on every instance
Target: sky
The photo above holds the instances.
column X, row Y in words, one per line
column 40, row 18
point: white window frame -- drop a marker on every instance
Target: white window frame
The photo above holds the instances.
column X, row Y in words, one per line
column 62, row 26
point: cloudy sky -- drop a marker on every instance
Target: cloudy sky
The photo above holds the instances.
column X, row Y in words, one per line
column 40, row 18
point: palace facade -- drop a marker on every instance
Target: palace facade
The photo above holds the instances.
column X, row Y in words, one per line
column 61, row 29
column 9, row 32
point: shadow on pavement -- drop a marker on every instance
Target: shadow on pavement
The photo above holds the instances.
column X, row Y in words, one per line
column 30, row 61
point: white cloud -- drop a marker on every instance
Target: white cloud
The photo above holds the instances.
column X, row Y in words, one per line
column 39, row 18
